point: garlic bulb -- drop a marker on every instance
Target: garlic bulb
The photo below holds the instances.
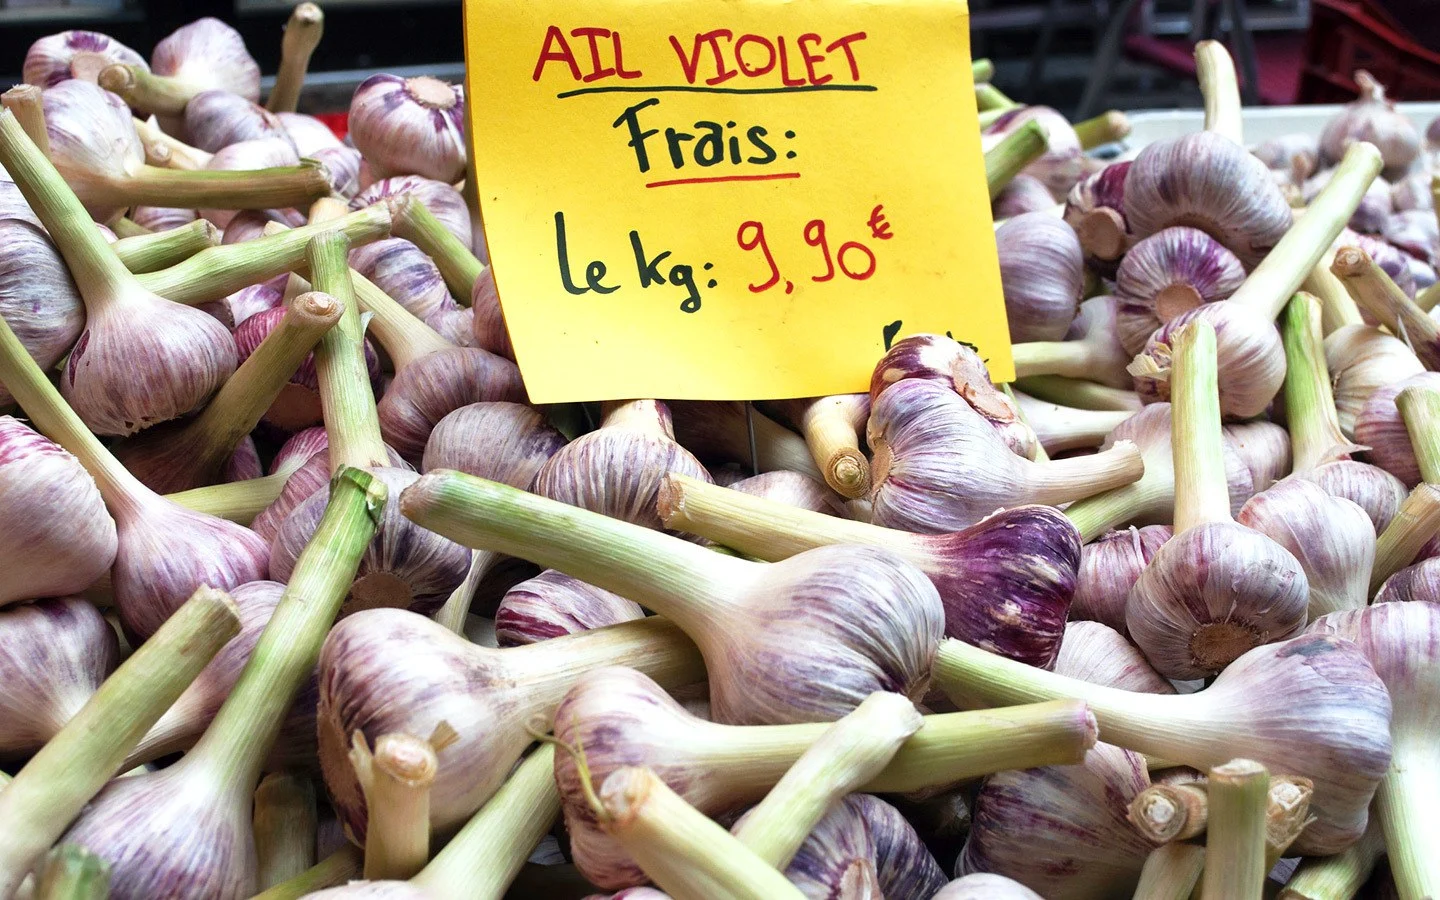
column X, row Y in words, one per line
column 864, row 841
column 216, row 119
column 1024, row 193
column 959, row 368
column 1414, row 231
column 1091, row 349
column 404, row 567
column 1061, row 428
column 443, row 201
column 985, row 886
column 37, row 295
column 1295, row 155
column 488, row 320
column 74, row 54
column 719, row 432
column 1332, row 538
column 1099, row 654
column 1380, row 428
column 1374, row 119
column 1252, row 360
column 1390, row 259
column 1375, row 207
column 505, row 442
column 1311, row 705
column 409, row 277
column 54, row 654
column 939, row 466
column 1361, row 359
column 1095, row 208
column 617, row 469
column 1418, row 582
column 1109, row 567
column 311, row 476
column 297, row 406
column 162, row 218
column 309, row 134
column 1060, row 166
column 55, row 534
column 1412, row 192
column 553, row 604
column 250, row 301
column 1207, row 181
column 410, row 126
column 792, row 489
column 1042, row 273
column 1166, row 274
column 343, row 165
column 207, row 55
column 1263, row 447
column 1062, row 830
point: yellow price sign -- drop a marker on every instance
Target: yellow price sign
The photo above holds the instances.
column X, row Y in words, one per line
column 747, row 199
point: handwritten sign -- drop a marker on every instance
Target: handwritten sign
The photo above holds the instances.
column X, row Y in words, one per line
column 725, row 200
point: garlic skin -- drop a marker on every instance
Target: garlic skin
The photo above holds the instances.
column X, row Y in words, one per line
column 1207, row 181
column 405, row 566
column 1295, row 155
column 410, row 278
column 1414, row 231
column 308, row 133
column 54, row 654
column 938, row 466
column 1373, row 489
column 244, row 463
column 1380, row 428
column 251, row 301
column 507, row 442
column 1099, row 654
column 1375, row 206
column 443, row 201
column 1332, row 538
column 1166, row 274
column 74, row 54
column 1062, row 830
column 343, row 165
column 216, row 119
column 959, row 368
column 1251, row 359
column 1412, row 192
column 311, row 476
column 37, row 296
column 437, row 384
column 1263, row 447
column 161, row 218
column 1060, row 166
column 617, row 469
column 1362, row 359
column 56, row 537
column 1418, row 583
column 91, row 131
column 1183, row 611
column 298, row 405
column 487, row 320
column 793, row 489
column 410, row 126
column 553, row 604
column 1024, row 194
column 209, row 55
column 1042, row 271
column 1374, row 119
column 864, row 841
column 1109, row 567
column 985, row 886
column 1095, row 208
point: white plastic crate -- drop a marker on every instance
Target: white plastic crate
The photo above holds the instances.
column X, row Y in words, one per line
column 1261, row 122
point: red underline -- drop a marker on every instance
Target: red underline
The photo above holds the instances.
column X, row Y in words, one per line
column 716, row 178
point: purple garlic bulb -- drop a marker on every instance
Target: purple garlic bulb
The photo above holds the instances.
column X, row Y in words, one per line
column 54, row 654
column 431, row 387
column 207, row 55
column 1101, row 655
column 216, row 119
column 1042, row 271
column 410, row 126
column 864, row 843
column 553, row 604
column 1166, row 274
column 1095, row 208
column 443, row 201
column 1108, row 569
column 506, row 442
column 75, row 54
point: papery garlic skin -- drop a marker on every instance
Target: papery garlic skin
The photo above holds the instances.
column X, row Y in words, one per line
column 1416, row 583
column 1412, row 192
column 54, row 654
column 343, row 165
column 985, row 886
column 443, row 201
column 410, row 278
column 1170, row 272
column 1101, row 655
column 1207, row 181
column 216, row 119
column 437, row 384
column 209, row 55
column 553, row 604
column 793, row 489
column 506, row 442
column 91, row 132
column 1373, row 489
column 162, row 218
column 308, row 133
column 75, row 54
column 1263, row 447
column 56, row 537
column 1361, row 359
column 1374, row 119
column 1251, row 359
column 1073, row 818
column 1380, row 428
column 863, row 840
column 1109, row 567
column 410, row 126
column 37, row 296
column 1296, row 155
column 1095, row 208
column 1332, row 538
column 1042, row 273
column 1024, row 194
column 1210, row 594
column 488, row 321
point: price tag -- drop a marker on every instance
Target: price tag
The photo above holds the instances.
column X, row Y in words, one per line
column 740, row 200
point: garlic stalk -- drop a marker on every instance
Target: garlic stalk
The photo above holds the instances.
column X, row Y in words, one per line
column 1106, row 128
column 938, row 465
column 1091, row 350
column 1061, row 163
column 390, row 671
column 699, row 589
column 1315, row 436
column 1013, row 153
column 213, row 273
column 1171, row 872
column 71, row 872
column 718, row 432
column 339, row 868
column 458, row 265
column 1419, row 406
column 623, row 718
column 1381, row 428
column 239, row 502
column 1005, row 583
column 24, row 101
column 147, row 253
column 62, row 777
column 204, row 55
column 1216, row 589
column 1061, row 428
column 284, row 827
column 1171, row 812
column 1339, row 876
column 833, row 427
column 1078, row 393
column 1235, row 842
column 1310, row 706
column 210, row 790
column 181, row 456
column 177, row 153
column 396, row 779
column 302, row 36
column 1378, row 295
column 1215, row 71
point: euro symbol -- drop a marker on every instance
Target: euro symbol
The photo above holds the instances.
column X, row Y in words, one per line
column 879, row 228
